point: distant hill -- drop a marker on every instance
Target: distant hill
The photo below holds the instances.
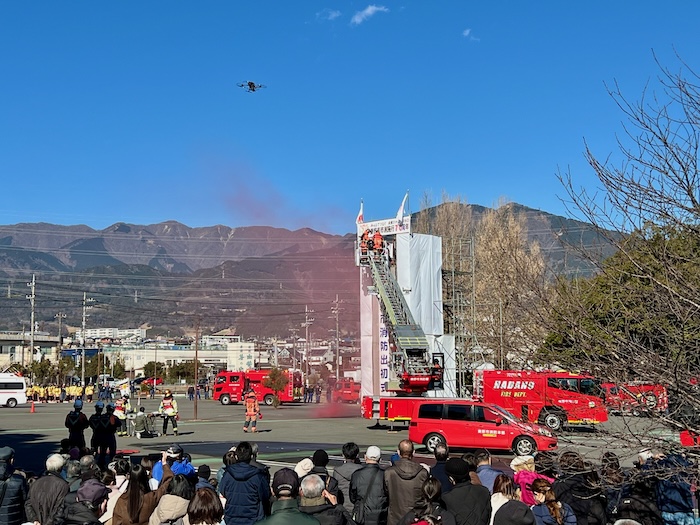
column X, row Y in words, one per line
column 169, row 276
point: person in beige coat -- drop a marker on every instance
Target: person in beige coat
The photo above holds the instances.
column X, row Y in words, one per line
column 173, row 505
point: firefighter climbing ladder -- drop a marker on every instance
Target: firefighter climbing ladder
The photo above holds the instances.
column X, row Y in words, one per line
column 409, row 357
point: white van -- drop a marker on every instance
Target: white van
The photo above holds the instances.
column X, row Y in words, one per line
column 13, row 390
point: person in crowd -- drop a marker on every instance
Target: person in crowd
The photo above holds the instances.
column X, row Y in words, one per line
column 136, row 505
column 614, row 483
column 403, row 483
column 168, row 409
column 252, row 411
column 89, row 468
column 504, row 490
column 317, row 501
column 470, row 504
column 73, row 478
column 547, row 509
column 244, row 488
column 546, row 464
column 257, row 464
column 674, row 496
column 430, row 505
column 639, row 505
column 203, row 475
column 228, row 459
column 524, row 474
column 175, row 458
column 16, row 490
column 576, row 487
column 367, row 493
column 47, row 494
column 441, row 454
column 77, row 423
column 320, row 460
column 174, row 503
column 303, row 467
column 121, row 468
column 90, row 504
column 148, row 463
column 470, row 460
column 205, row 508
column 514, row 512
column 285, row 511
column 487, row 474
column 343, row 473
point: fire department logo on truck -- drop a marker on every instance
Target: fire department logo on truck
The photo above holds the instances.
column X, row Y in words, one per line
column 513, row 385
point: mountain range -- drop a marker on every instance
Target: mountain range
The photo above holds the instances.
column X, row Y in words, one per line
column 260, row 281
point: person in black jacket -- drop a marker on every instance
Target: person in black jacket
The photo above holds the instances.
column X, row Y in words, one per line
column 639, row 505
column 577, row 488
column 15, row 490
column 442, row 453
column 320, row 460
column 471, row 504
column 370, row 504
column 316, row 501
column 46, row 495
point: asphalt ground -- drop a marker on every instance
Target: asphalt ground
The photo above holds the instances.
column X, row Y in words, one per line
column 286, row 434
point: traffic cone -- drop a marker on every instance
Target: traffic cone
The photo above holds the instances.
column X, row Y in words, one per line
column 32, row 410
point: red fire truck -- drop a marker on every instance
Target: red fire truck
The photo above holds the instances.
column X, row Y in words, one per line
column 346, row 390
column 550, row 398
column 229, row 386
column 636, row 398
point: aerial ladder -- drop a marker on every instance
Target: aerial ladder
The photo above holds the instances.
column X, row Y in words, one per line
column 408, row 345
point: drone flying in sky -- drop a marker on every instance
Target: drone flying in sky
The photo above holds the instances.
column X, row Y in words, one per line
column 250, row 86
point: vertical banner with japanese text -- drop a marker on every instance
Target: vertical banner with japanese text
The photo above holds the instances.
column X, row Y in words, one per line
column 384, row 356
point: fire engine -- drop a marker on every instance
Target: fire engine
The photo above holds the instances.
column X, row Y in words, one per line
column 636, row 398
column 550, row 398
column 229, row 386
column 346, row 390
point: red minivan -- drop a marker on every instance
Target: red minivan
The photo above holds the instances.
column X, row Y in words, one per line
column 461, row 423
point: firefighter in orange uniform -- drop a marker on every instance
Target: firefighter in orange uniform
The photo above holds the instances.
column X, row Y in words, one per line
column 252, row 411
column 377, row 241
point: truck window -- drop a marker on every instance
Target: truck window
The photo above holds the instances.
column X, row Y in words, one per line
column 459, row 412
column 220, row 379
column 590, row 387
column 234, row 379
column 430, row 412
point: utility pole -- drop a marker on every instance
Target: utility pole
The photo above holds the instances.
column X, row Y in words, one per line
column 31, row 298
column 196, row 367
column 336, row 312
column 60, row 316
column 82, row 338
column 294, row 347
column 308, row 321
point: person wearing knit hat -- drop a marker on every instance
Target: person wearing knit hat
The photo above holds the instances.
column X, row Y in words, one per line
column 303, row 467
column 514, row 512
column 320, row 461
column 471, row 504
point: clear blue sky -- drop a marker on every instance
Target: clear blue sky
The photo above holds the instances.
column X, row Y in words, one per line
column 129, row 111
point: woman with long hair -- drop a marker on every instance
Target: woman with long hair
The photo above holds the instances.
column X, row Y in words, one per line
column 430, row 505
column 205, row 508
column 136, row 505
column 504, row 490
column 548, row 510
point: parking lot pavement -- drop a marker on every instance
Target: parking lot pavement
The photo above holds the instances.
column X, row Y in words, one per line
column 287, row 434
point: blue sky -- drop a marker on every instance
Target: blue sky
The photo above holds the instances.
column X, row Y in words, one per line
column 130, row 111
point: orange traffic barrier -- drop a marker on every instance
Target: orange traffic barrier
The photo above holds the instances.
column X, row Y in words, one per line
column 32, row 410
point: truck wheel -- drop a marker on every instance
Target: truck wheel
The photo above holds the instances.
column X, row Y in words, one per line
column 553, row 421
column 432, row 441
column 524, row 446
column 269, row 399
column 225, row 399
column 12, row 402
